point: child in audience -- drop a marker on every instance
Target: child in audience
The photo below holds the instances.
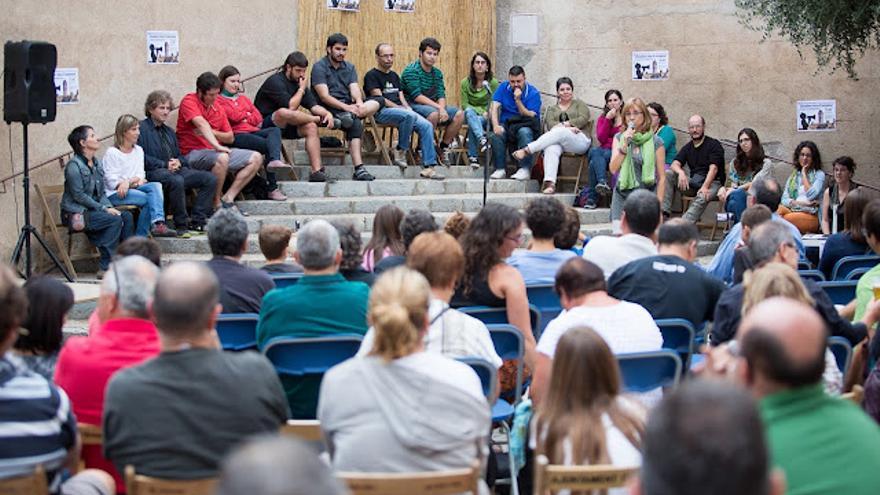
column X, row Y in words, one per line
column 387, row 239
column 275, row 246
column 569, row 233
column 742, row 259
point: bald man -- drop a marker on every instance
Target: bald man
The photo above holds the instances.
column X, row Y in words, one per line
column 823, row 444
column 698, row 169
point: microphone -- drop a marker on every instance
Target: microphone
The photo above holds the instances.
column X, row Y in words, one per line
column 631, row 125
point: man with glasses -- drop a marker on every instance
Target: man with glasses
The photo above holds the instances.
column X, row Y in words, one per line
column 698, row 169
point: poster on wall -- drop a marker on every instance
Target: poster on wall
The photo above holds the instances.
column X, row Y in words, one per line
column 816, row 115
column 400, row 5
column 163, row 47
column 650, row 66
column 67, row 86
column 347, row 5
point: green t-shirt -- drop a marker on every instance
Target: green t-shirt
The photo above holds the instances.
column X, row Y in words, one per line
column 865, row 292
column 479, row 98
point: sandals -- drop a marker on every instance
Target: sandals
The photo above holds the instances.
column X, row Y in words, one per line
column 520, row 154
column 549, row 187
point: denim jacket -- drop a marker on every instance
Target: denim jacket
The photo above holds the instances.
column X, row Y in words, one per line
column 83, row 187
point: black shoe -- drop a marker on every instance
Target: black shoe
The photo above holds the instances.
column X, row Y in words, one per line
column 360, row 173
column 603, row 189
column 320, row 176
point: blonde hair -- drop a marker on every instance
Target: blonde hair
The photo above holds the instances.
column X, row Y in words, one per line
column 639, row 105
column 773, row 279
column 123, row 124
column 398, row 312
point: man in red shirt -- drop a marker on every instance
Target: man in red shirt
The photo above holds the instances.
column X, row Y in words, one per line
column 203, row 132
column 127, row 337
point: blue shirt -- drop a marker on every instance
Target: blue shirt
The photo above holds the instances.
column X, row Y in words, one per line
column 722, row 263
column 530, row 97
column 539, row 267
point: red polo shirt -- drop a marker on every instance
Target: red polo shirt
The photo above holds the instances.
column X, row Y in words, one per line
column 191, row 107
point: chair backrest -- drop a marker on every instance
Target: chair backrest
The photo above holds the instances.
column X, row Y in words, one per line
column 546, row 300
column 294, row 356
column 90, row 434
column 840, row 291
column 283, row 280
column 490, row 316
column 487, row 373
column 138, row 484
column 424, row 483
column 804, row 265
column 644, row 371
column 31, row 484
column 554, row 477
column 856, row 273
column 303, row 429
column 842, row 350
column 509, row 344
column 814, row 275
column 679, row 335
column 848, row 263
column 238, row 331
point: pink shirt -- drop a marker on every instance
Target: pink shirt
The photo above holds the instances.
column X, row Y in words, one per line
column 605, row 131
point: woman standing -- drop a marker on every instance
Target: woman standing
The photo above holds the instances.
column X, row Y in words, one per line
column 476, row 94
column 660, row 125
column 833, row 214
column 803, row 189
column 748, row 164
column 607, row 126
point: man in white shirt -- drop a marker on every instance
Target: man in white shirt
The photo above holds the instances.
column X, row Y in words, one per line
column 641, row 216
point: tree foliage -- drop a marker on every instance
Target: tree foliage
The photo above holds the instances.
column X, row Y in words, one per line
column 838, row 31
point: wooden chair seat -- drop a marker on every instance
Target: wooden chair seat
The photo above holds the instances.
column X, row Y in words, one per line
column 714, row 225
column 31, row 484
column 553, row 477
column 304, row 429
column 138, row 484
column 428, row 483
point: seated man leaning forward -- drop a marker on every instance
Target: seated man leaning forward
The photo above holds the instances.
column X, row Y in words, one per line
column 335, row 82
column 202, row 129
column 698, row 169
column 322, row 303
column 516, row 118
column 425, row 90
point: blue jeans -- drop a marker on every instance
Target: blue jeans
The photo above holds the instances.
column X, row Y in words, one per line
column 599, row 158
column 476, row 124
column 405, row 120
column 149, row 199
column 266, row 142
column 736, row 203
column 524, row 136
column 426, row 110
column 106, row 230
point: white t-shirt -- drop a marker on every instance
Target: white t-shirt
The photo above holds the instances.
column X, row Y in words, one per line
column 610, row 253
column 625, row 326
column 119, row 166
column 445, row 370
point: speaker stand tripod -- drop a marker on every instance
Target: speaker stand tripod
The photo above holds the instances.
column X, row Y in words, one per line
column 28, row 230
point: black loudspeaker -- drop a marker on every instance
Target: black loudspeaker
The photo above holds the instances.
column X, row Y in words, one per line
column 29, row 81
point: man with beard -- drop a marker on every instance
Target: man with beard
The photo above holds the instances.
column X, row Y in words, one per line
column 698, row 169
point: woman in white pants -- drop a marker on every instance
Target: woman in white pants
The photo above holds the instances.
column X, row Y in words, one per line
column 567, row 125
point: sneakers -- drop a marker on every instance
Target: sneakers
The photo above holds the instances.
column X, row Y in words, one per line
column 277, row 195
column 522, row 174
column 447, row 156
column 603, row 189
column 399, row 158
column 474, row 162
column 499, row 174
column 360, row 173
column 590, row 205
column 430, row 173
column 318, row 176
column 160, row 229
column 484, row 144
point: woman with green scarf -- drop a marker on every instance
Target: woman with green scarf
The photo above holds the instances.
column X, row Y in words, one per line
column 803, row 189
column 638, row 154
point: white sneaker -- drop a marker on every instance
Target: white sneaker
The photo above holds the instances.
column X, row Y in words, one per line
column 499, row 174
column 399, row 158
column 522, row 174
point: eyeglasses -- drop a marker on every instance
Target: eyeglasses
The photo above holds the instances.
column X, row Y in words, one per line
column 633, row 113
column 698, row 126
column 516, row 238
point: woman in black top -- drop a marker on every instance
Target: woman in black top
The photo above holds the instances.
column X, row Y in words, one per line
column 832, row 201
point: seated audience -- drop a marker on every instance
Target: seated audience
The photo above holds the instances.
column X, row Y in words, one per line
column 321, row 303
column 440, row 259
column 803, row 189
column 608, row 124
column 172, row 417
column 569, row 235
column 166, row 165
column 625, row 327
column 670, row 285
column 275, row 245
column 567, row 127
column 37, row 425
column 538, row 263
column 456, row 224
column 126, row 337
column 273, row 465
column 41, row 335
column 204, row 133
column 871, row 230
column 638, row 224
column 385, row 239
column 682, row 452
column 698, row 170
column 414, row 223
column 476, row 95
column 833, row 199
column 516, row 120
column 401, row 409
column 84, row 206
column 125, row 180
column 660, row 126
column 245, row 120
column 748, row 165
column 850, row 239
column 350, row 242
column 742, row 259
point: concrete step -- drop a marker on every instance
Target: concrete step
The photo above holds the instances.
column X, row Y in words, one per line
column 345, row 172
column 403, row 187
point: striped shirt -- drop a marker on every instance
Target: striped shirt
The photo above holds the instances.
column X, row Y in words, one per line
column 415, row 81
column 37, row 426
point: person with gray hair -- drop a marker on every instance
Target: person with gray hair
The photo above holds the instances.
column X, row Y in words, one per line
column 172, row 417
column 241, row 288
column 126, row 337
column 321, row 303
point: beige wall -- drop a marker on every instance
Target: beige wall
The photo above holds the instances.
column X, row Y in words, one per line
column 107, row 42
column 717, row 68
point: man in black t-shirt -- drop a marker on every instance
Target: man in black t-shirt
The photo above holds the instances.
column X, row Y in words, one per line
column 669, row 285
column 279, row 100
column 698, row 169
column 384, row 84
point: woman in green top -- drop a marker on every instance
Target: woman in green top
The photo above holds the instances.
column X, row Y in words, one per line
column 660, row 124
column 567, row 128
column 476, row 94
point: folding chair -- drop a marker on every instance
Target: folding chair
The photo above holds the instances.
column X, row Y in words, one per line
column 30, row 484
column 679, row 335
column 382, row 148
column 840, row 291
column 842, row 351
column 545, row 299
column 490, row 315
column 283, row 280
column 849, row 263
column 303, row 429
column 814, row 275
column 238, row 331
column 138, row 484
column 582, row 162
column 856, row 273
column 424, row 483
column 294, row 356
column 89, row 435
column 804, row 265
column 486, row 372
column 646, row 371
column 553, row 477
column 686, row 203
column 509, row 344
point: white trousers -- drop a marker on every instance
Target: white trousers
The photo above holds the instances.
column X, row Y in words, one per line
column 553, row 143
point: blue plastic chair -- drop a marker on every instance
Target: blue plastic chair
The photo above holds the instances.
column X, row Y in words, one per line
column 679, row 335
column 646, row 371
column 509, row 344
column 544, row 297
column 804, row 265
column 294, row 356
column 856, row 273
column 842, row 351
column 283, row 280
column 498, row 316
column 849, row 263
column 814, row 275
column 840, row 291
column 486, row 372
column 238, row 331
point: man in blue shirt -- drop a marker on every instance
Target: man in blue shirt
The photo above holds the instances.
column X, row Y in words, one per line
column 516, row 117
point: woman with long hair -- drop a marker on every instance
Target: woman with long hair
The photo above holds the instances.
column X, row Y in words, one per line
column 609, row 123
column 387, row 239
column 748, row 164
column 833, row 210
column 567, row 128
column 803, row 189
column 476, row 95
column 851, row 240
column 660, row 125
column 41, row 337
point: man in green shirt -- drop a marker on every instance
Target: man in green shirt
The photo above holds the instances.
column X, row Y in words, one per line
column 322, row 303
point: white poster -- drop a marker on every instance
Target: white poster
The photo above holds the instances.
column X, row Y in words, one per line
column 163, row 47
column 400, row 5
column 67, row 86
column 816, row 115
column 650, row 66
column 349, row 5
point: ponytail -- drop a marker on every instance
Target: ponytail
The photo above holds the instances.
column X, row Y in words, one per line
column 398, row 310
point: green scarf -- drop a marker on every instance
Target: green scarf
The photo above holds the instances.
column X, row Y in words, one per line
column 791, row 188
column 627, row 179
